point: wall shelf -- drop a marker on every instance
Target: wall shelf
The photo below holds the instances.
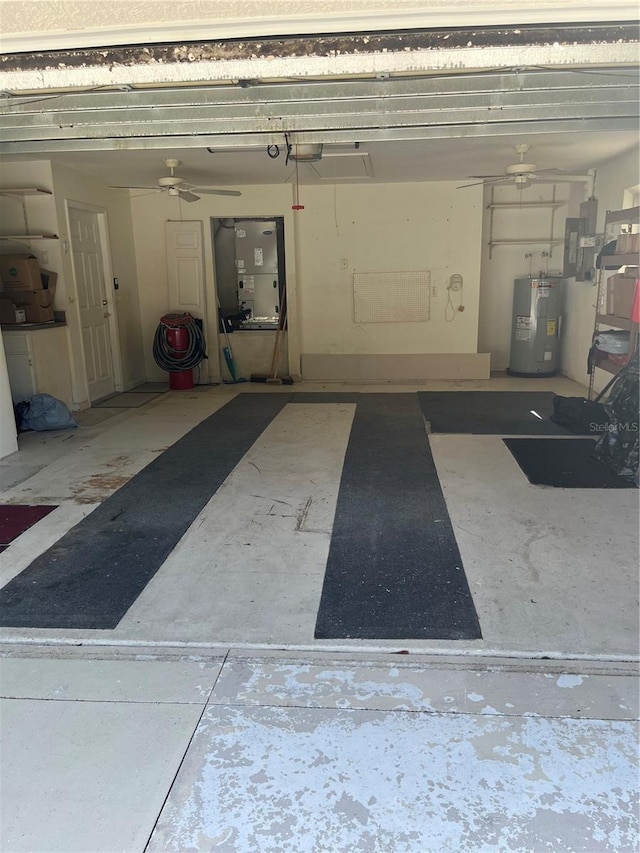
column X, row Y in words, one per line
column 628, row 216
column 614, row 221
column 533, row 241
column 24, row 237
column 609, row 366
column 616, row 322
column 552, row 205
column 24, row 191
column 518, row 204
column 614, row 262
column 20, row 193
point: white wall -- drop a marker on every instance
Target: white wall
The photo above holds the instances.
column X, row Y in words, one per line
column 8, row 440
column 48, row 213
column 504, row 263
column 384, row 228
column 151, row 211
column 71, row 186
column 379, row 227
column 612, row 180
column 34, row 214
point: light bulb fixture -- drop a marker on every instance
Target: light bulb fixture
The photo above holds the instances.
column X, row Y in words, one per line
column 307, row 152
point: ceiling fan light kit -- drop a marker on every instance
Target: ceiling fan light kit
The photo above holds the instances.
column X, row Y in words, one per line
column 306, row 152
column 520, row 174
column 174, row 185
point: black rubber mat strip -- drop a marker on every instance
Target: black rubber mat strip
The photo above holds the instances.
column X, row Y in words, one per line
column 394, row 569
column 567, row 464
column 490, row 412
column 95, row 572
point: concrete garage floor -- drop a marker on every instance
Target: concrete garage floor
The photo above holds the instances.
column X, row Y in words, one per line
column 210, row 718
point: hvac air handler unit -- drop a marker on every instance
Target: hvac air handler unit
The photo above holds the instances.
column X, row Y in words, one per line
column 178, row 347
column 535, row 331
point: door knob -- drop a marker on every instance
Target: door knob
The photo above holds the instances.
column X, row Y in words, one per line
column 104, row 302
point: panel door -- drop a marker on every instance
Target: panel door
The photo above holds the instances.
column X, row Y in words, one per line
column 91, row 292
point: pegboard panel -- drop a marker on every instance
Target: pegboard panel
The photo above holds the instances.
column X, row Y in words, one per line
column 391, row 297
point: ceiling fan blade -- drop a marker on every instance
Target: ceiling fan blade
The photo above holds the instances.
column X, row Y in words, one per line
column 212, row 191
column 187, row 195
column 144, row 195
column 486, row 176
column 488, row 182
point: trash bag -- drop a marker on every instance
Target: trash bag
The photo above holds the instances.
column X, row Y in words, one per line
column 581, row 416
column 42, row 412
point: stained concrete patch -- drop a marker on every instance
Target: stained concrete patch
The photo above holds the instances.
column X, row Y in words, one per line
column 274, row 779
column 427, row 687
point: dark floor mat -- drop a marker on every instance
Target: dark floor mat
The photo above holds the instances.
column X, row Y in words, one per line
column 16, row 518
column 151, row 388
column 127, row 400
column 564, row 463
column 95, row 572
column 394, row 570
column 490, row 412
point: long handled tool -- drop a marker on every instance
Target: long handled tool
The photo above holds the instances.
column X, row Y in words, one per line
column 228, row 354
column 273, row 378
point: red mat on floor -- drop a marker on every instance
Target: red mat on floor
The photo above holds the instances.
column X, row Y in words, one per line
column 16, row 518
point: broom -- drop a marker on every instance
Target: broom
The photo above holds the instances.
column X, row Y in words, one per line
column 272, row 377
column 228, row 354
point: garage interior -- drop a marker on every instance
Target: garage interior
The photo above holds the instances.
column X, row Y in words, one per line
column 245, row 533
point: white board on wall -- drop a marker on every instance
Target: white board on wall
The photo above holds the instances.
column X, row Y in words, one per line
column 392, row 297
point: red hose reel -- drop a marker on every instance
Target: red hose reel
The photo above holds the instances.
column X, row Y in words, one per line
column 174, row 349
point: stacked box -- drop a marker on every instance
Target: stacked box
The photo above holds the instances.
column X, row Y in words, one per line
column 27, row 288
column 19, row 272
column 620, row 293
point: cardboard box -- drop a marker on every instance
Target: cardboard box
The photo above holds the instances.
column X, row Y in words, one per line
column 7, row 311
column 19, row 272
column 620, row 293
column 38, row 304
column 627, row 244
column 49, row 280
column 9, row 314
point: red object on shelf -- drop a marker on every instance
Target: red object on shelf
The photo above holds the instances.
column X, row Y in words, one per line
column 178, row 340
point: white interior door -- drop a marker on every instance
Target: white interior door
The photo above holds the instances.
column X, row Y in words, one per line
column 185, row 267
column 88, row 268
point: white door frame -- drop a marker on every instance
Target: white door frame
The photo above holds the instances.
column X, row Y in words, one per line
column 107, row 269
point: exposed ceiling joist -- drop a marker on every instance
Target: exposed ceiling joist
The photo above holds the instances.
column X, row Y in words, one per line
column 336, row 111
column 472, row 131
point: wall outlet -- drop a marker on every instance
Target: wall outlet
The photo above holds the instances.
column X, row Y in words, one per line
column 44, row 258
column 434, row 290
column 344, row 263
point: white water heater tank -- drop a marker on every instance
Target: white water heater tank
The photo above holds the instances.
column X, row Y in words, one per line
column 535, row 330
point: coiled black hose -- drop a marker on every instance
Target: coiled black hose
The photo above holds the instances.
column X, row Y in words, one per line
column 174, row 361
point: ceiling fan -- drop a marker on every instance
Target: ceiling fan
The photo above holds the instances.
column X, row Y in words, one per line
column 177, row 186
column 520, row 174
